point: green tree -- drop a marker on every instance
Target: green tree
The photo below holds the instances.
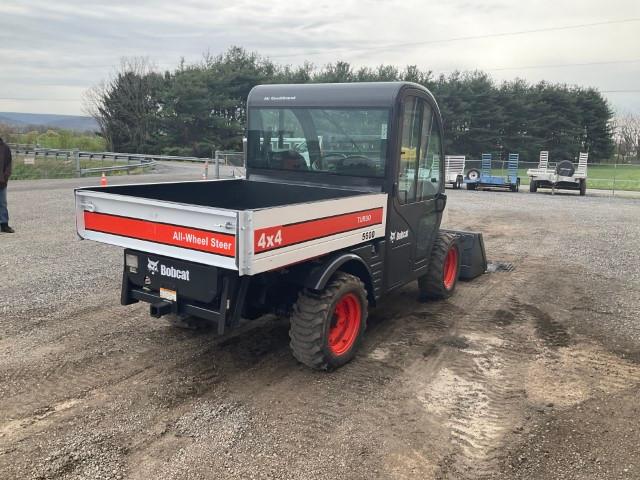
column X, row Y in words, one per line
column 126, row 107
column 203, row 107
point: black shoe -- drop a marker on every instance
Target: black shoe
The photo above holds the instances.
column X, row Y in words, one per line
column 6, row 228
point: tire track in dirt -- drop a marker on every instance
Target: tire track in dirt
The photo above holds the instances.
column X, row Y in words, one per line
column 475, row 394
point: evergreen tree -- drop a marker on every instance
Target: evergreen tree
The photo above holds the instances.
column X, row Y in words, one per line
column 200, row 108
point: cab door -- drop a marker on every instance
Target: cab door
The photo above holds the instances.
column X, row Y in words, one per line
column 413, row 217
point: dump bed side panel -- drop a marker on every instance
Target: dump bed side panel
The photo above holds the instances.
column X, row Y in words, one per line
column 188, row 232
column 286, row 235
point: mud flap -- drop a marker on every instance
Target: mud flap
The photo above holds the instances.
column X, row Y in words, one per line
column 474, row 259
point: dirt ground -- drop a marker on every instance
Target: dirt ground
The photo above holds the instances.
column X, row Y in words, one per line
column 526, row 373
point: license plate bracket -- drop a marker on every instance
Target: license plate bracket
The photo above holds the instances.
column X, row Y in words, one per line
column 168, row 294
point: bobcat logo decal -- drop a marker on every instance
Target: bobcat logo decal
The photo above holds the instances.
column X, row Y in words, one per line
column 152, row 266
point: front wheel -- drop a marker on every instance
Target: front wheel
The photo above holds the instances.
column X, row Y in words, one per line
column 327, row 326
column 444, row 268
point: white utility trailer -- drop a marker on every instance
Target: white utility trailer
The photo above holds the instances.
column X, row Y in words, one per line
column 559, row 176
column 454, row 170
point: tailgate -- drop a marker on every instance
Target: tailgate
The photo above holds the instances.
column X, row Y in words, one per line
column 189, row 232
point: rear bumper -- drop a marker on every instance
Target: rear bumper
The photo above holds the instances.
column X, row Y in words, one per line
column 221, row 304
column 159, row 307
column 561, row 185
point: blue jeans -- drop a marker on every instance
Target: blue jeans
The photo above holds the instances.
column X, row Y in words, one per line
column 4, row 213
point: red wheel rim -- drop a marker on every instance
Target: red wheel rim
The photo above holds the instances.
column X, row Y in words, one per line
column 345, row 324
column 451, row 268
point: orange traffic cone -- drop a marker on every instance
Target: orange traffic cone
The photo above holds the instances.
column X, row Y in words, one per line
column 103, row 180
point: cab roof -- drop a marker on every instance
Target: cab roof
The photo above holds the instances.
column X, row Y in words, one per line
column 359, row 94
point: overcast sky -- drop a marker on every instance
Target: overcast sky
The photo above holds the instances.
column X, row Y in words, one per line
column 52, row 51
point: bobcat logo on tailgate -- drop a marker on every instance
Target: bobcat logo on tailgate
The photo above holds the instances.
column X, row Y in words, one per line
column 152, row 266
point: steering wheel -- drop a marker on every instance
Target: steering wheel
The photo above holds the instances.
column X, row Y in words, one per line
column 356, row 161
column 322, row 163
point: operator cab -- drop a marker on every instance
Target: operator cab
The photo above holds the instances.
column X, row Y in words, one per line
column 380, row 137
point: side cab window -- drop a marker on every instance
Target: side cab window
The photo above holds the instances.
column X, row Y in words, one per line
column 409, row 150
column 420, row 153
column 429, row 170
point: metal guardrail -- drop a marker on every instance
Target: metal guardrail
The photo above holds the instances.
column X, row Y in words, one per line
column 129, row 160
column 115, row 156
column 115, row 168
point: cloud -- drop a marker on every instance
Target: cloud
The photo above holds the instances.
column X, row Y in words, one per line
column 56, row 50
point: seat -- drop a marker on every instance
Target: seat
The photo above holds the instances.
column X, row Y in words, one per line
column 290, row 160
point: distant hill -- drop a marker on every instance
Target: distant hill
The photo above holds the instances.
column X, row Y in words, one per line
column 69, row 122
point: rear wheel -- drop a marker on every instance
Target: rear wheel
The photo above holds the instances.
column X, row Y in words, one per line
column 327, row 326
column 583, row 187
column 533, row 186
column 440, row 280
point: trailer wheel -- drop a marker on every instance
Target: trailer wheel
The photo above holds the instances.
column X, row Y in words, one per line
column 473, row 174
column 444, row 268
column 533, row 186
column 583, row 187
column 472, row 186
column 327, row 326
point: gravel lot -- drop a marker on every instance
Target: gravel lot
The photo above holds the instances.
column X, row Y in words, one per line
column 531, row 373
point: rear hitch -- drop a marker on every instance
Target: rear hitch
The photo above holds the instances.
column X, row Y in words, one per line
column 159, row 309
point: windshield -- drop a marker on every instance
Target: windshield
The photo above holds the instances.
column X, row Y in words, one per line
column 343, row 141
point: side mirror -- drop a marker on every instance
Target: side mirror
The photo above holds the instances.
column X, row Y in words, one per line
column 441, row 202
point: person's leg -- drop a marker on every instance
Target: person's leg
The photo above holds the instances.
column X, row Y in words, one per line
column 4, row 212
